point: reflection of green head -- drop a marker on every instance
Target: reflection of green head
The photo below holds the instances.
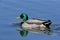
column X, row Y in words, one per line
column 23, row 16
column 23, row 32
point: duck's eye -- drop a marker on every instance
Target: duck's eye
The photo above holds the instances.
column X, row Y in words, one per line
column 21, row 16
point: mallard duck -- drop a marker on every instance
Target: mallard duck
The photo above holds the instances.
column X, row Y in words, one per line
column 34, row 24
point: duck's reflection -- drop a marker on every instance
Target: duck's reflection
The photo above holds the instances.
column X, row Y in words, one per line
column 24, row 33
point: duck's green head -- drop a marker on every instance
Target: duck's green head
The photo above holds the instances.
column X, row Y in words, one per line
column 23, row 16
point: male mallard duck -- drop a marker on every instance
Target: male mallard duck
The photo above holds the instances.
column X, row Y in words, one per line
column 34, row 24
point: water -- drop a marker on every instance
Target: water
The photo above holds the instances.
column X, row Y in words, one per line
column 44, row 9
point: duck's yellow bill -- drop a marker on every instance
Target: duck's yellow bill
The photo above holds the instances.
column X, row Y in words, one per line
column 18, row 17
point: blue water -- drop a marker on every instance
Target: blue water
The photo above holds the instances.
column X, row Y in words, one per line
column 44, row 9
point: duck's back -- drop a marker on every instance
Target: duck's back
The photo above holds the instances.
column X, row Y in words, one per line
column 35, row 21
